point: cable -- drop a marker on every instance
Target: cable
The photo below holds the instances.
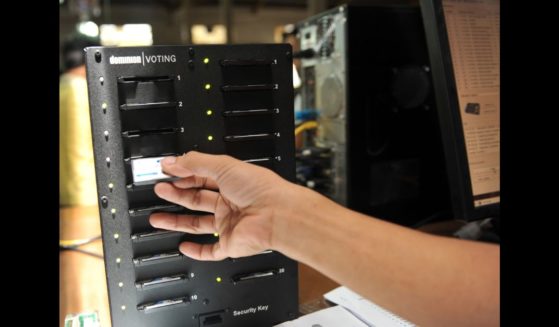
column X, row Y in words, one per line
column 305, row 126
column 81, row 251
column 78, row 242
column 73, row 245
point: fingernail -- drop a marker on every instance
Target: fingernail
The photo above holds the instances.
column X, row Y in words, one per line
column 169, row 160
column 157, row 223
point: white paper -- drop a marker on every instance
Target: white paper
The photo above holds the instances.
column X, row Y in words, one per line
column 329, row 317
column 365, row 310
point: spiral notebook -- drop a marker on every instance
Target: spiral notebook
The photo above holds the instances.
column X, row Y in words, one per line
column 365, row 310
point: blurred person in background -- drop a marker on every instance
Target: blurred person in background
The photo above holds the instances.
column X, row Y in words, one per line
column 77, row 172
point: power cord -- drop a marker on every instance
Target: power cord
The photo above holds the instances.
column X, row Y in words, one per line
column 73, row 245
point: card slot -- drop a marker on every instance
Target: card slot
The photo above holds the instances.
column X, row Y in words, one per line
column 158, row 258
column 163, row 304
column 251, row 137
column 250, row 112
column 164, row 281
column 152, row 105
column 250, row 87
column 247, row 62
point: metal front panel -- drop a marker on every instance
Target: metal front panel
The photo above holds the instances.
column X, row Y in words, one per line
column 162, row 100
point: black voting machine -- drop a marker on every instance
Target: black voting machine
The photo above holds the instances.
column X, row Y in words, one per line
column 151, row 102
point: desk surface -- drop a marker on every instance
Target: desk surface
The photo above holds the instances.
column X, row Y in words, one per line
column 83, row 285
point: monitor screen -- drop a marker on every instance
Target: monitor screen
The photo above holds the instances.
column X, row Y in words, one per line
column 463, row 38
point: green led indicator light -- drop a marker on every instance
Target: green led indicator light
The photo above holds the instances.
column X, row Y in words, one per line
column 209, row 112
column 218, row 279
column 207, row 86
column 206, row 60
column 210, row 137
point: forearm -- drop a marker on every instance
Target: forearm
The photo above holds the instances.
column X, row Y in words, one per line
column 430, row 280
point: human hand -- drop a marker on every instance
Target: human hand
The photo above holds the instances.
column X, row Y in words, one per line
column 243, row 200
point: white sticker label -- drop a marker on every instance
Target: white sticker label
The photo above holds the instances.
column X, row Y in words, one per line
column 147, row 169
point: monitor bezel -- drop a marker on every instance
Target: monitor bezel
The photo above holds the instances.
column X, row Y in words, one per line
column 448, row 109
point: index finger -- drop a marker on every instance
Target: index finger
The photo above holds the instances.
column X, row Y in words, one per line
column 202, row 252
column 199, row 164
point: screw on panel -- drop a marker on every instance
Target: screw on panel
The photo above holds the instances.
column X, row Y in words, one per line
column 191, row 51
column 191, row 64
column 101, row 80
column 104, row 201
column 97, row 56
column 108, row 160
column 106, row 133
